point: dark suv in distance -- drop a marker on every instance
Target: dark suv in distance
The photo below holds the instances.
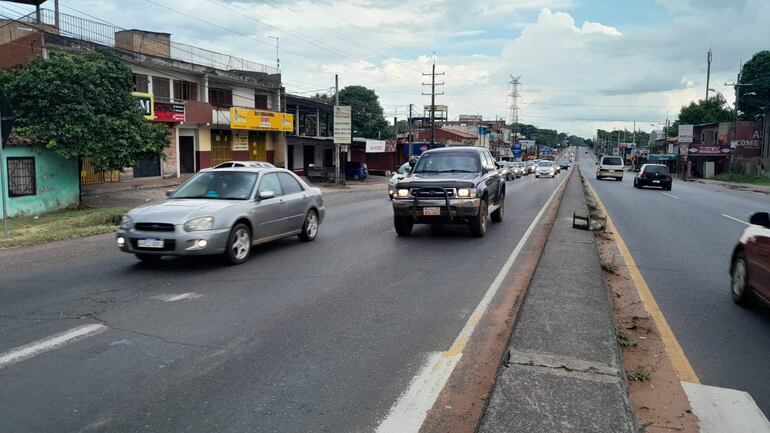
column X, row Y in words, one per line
column 452, row 185
column 653, row 175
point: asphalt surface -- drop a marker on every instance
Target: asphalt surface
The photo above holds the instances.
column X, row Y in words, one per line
column 682, row 241
column 317, row 337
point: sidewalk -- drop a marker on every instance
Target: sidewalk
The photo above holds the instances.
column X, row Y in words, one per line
column 565, row 372
column 764, row 189
column 134, row 192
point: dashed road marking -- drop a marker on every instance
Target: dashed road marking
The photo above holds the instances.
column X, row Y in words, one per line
column 735, row 219
column 408, row 413
column 56, row 341
column 177, row 297
column 670, row 195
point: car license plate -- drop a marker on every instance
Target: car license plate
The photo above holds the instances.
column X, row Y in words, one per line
column 655, row 181
column 431, row 211
column 150, row 243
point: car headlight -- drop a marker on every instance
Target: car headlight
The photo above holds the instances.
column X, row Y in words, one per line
column 198, row 224
column 466, row 192
column 126, row 222
column 402, row 193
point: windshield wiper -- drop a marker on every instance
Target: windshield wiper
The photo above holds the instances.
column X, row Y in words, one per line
column 455, row 170
column 427, row 171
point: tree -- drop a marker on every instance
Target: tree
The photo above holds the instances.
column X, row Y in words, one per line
column 704, row 111
column 367, row 118
column 755, row 99
column 401, row 128
column 80, row 105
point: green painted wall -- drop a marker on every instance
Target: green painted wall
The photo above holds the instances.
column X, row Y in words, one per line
column 57, row 181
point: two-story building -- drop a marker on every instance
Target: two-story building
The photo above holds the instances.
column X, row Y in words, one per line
column 217, row 107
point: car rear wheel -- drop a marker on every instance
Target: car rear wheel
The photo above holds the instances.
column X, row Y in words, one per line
column 479, row 222
column 739, row 280
column 403, row 225
column 238, row 245
column 309, row 227
column 356, row 177
column 148, row 258
column 497, row 216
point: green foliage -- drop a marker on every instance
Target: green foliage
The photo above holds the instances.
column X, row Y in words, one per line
column 715, row 109
column 625, row 339
column 80, row 104
column 742, row 178
column 757, row 73
column 640, row 374
column 641, row 138
column 367, row 117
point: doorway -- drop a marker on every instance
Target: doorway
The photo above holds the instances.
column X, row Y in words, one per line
column 290, row 157
column 308, row 157
column 187, row 154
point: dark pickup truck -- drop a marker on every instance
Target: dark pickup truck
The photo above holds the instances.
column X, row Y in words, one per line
column 452, row 185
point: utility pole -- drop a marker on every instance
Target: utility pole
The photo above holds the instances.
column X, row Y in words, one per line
column 277, row 59
column 708, row 73
column 513, row 109
column 433, row 94
column 737, row 86
column 409, row 132
column 336, row 145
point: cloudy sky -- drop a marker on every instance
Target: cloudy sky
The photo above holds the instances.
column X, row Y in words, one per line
column 584, row 64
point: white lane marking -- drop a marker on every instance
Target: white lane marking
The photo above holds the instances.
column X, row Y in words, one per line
column 735, row 219
column 408, row 412
column 35, row 348
column 672, row 196
column 177, row 297
column 725, row 410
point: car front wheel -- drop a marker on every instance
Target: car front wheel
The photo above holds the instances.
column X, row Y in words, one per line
column 403, row 225
column 238, row 245
column 309, row 227
column 479, row 222
column 739, row 278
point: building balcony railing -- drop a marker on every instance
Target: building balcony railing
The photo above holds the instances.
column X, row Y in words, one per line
column 104, row 34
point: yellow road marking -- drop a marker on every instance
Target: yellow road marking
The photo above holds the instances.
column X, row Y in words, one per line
column 678, row 358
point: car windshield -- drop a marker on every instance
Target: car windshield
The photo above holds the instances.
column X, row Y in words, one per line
column 658, row 169
column 612, row 161
column 448, row 162
column 220, row 185
column 545, row 164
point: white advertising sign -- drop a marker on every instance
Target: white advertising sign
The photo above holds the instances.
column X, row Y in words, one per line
column 375, row 146
column 342, row 125
column 685, row 133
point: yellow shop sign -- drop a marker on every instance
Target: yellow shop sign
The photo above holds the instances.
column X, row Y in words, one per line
column 260, row 120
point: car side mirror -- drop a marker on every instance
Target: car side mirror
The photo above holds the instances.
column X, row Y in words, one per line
column 597, row 162
column 760, row 219
column 169, row 192
column 412, row 162
column 265, row 195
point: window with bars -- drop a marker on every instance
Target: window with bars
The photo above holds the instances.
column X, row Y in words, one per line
column 21, row 176
column 141, row 83
column 220, row 97
column 185, row 91
column 160, row 88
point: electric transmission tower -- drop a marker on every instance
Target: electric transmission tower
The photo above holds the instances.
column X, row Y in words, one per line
column 515, row 96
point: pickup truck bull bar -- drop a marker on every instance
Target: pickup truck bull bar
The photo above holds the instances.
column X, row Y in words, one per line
column 446, row 198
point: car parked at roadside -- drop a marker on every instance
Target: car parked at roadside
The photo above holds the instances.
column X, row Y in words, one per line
column 231, row 164
column 356, row 171
column 505, row 170
column 518, row 169
column 653, row 175
column 224, row 212
column 750, row 263
column 545, row 168
column 396, row 177
column 531, row 167
column 452, row 185
column 610, row 166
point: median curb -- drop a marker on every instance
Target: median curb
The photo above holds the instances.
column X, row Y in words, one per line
column 564, row 371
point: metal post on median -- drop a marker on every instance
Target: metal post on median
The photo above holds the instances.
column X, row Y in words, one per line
column 2, row 180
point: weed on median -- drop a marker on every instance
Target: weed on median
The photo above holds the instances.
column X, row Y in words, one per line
column 625, row 339
column 640, row 374
column 54, row 226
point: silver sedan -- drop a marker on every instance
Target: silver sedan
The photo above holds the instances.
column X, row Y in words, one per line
column 224, row 211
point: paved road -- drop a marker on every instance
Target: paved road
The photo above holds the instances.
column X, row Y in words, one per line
column 318, row 337
column 682, row 241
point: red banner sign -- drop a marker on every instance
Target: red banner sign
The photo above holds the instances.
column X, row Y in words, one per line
column 166, row 112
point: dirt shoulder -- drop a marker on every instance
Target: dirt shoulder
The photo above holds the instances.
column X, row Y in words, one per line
column 659, row 401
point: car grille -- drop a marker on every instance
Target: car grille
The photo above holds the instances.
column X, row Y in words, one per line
column 154, row 227
column 432, row 192
column 168, row 245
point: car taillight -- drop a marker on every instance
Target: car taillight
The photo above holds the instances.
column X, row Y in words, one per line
column 669, row 177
